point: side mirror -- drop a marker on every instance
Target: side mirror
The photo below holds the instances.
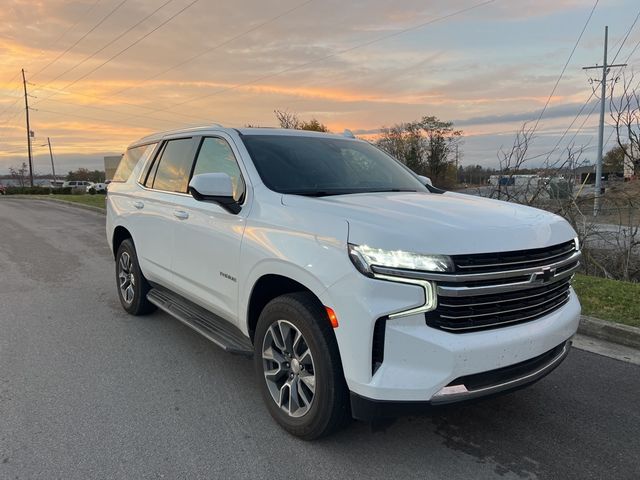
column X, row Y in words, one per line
column 425, row 180
column 214, row 187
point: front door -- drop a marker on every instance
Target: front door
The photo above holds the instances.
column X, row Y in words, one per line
column 207, row 238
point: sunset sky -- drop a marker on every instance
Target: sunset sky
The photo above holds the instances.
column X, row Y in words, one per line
column 105, row 72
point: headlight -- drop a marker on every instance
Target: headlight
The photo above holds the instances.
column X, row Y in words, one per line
column 364, row 257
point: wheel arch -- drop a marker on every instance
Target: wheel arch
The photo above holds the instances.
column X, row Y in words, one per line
column 120, row 234
column 267, row 287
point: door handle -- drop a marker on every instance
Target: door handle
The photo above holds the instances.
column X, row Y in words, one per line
column 139, row 205
column 181, row 214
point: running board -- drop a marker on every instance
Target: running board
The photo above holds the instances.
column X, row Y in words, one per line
column 207, row 324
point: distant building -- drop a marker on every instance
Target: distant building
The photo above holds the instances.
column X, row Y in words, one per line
column 110, row 165
column 587, row 175
column 514, row 180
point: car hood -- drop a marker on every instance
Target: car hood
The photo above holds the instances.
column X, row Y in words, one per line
column 448, row 223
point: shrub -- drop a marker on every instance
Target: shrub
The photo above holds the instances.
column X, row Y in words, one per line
column 28, row 191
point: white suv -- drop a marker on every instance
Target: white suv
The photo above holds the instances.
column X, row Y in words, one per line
column 359, row 289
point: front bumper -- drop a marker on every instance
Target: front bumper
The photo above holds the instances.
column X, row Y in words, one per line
column 420, row 361
column 464, row 389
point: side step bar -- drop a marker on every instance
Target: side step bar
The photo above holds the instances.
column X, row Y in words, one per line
column 207, row 324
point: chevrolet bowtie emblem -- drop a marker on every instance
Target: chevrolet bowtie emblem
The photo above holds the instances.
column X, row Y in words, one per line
column 547, row 274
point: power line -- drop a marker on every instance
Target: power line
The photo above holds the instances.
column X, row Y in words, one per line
column 209, row 50
column 627, row 36
column 564, row 68
column 104, row 19
column 86, row 117
column 334, row 54
column 113, row 57
column 111, row 95
column 54, row 44
column 108, row 44
column 564, row 134
column 109, row 111
column 96, row 97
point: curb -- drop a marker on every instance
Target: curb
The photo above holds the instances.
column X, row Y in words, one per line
column 62, row 202
column 611, row 332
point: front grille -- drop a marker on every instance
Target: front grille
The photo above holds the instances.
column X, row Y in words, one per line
column 504, row 288
column 459, row 314
column 491, row 262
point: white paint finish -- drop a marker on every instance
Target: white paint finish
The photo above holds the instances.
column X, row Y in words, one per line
column 305, row 239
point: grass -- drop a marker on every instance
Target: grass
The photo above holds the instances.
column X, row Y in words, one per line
column 609, row 299
column 96, row 200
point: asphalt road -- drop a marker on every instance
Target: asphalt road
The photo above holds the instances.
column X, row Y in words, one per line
column 89, row 392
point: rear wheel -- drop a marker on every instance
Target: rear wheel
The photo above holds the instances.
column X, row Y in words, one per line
column 132, row 286
column 298, row 366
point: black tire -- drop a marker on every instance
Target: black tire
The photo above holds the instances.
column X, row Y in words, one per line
column 329, row 408
column 138, row 303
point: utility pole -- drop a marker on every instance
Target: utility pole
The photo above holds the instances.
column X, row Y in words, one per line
column 603, row 95
column 26, row 108
column 53, row 169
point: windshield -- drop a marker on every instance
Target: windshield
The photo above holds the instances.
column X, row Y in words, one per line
column 319, row 166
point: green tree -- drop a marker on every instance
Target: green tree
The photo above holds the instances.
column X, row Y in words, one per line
column 86, row 175
column 441, row 140
column 404, row 141
column 426, row 146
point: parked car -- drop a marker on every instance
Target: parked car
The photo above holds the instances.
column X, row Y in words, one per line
column 56, row 183
column 77, row 184
column 357, row 287
column 98, row 187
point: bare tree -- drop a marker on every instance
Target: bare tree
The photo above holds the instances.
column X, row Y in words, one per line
column 287, row 119
column 624, row 106
column 290, row 120
column 19, row 174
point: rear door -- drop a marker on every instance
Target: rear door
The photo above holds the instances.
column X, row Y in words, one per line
column 164, row 183
column 207, row 238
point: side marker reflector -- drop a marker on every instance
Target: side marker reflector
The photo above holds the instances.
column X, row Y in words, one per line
column 332, row 317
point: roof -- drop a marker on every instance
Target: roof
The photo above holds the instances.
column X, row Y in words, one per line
column 154, row 137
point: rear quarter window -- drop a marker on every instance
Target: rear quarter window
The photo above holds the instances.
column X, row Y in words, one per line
column 129, row 161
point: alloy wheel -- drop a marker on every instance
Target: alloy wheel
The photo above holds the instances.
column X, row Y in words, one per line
column 288, row 368
column 126, row 278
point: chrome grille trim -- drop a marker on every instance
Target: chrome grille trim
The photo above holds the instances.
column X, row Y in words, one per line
column 525, row 297
column 447, row 291
column 472, row 277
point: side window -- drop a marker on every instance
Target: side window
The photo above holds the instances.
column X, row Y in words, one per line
column 216, row 156
column 130, row 160
column 175, row 162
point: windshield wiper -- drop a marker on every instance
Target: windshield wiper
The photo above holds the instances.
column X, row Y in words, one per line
column 391, row 190
column 314, row 193
column 327, row 193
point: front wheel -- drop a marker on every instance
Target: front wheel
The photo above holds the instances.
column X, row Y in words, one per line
column 298, row 366
column 132, row 286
